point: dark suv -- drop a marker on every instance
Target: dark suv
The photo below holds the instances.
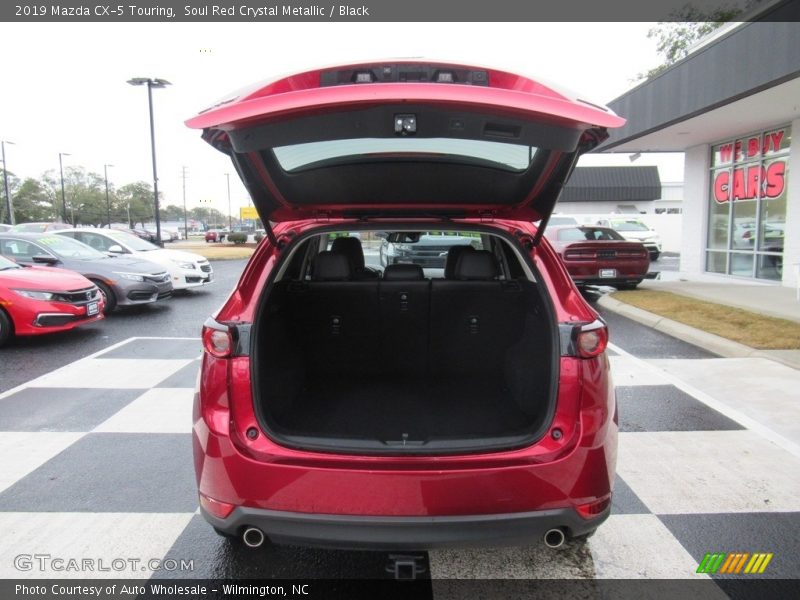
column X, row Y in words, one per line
column 342, row 406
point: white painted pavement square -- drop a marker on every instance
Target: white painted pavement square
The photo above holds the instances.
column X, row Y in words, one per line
column 690, row 472
column 158, row 410
column 120, row 373
column 764, row 390
column 627, row 371
column 24, row 452
column 624, row 547
column 105, row 537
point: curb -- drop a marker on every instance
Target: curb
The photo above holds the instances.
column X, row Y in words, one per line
column 708, row 341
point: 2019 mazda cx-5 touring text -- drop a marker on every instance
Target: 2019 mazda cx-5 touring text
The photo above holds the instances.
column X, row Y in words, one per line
column 346, row 404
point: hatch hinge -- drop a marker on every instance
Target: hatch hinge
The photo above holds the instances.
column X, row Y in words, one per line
column 271, row 234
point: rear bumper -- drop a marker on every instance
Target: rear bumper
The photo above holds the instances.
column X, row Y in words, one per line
column 404, row 533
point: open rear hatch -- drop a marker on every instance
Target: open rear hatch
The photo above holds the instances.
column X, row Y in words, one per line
column 411, row 366
column 404, row 139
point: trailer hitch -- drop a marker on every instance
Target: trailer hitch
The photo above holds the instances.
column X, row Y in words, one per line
column 406, row 566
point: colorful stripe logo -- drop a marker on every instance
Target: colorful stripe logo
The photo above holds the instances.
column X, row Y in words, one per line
column 734, row 563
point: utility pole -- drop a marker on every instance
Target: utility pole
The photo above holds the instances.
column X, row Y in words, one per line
column 185, row 214
column 108, row 204
column 230, row 219
column 9, row 205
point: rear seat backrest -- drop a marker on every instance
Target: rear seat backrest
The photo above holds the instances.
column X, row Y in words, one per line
column 404, row 314
column 474, row 317
column 338, row 318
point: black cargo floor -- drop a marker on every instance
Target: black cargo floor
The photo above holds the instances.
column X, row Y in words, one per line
column 387, row 409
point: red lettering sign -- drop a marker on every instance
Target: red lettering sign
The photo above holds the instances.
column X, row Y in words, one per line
column 752, row 147
column 726, row 153
column 775, row 179
column 748, row 180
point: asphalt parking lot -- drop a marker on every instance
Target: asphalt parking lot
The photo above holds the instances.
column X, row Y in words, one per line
column 98, row 455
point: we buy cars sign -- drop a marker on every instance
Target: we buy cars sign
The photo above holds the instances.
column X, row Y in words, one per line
column 754, row 174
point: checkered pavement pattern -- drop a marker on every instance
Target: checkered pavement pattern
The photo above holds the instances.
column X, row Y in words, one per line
column 96, row 463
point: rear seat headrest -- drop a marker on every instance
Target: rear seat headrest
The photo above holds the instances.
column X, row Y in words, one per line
column 453, row 255
column 329, row 266
column 351, row 248
column 403, row 272
column 478, row 265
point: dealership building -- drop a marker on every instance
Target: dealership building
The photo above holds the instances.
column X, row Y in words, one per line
column 731, row 106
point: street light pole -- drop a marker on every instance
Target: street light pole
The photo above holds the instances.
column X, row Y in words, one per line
column 153, row 83
column 9, row 206
column 108, row 204
column 230, row 219
column 63, row 196
column 185, row 214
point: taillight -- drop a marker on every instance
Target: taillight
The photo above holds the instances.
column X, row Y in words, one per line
column 580, row 254
column 587, row 511
column 219, row 509
column 592, row 339
column 217, row 339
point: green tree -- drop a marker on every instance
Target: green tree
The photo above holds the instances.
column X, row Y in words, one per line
column 690, row 24
column 134, row 200
column 34, row 201
column 13, row 184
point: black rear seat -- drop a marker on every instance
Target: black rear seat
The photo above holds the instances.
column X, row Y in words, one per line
column 338, row 317
column 475, row 317
column 404, row 314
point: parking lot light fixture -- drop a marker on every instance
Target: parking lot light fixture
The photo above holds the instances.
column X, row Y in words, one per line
column 153, row 83
column 63, row 196
column 9, row 205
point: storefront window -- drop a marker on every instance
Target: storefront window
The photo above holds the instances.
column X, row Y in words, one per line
column 747, row 204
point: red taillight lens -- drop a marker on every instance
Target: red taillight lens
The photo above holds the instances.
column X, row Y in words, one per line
column 592, row 340
column 217, row 339
column 219, row 509
column 587, row 511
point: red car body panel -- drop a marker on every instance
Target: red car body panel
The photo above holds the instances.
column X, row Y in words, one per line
column 577, row 469
column 23, row 311
column 246, row 477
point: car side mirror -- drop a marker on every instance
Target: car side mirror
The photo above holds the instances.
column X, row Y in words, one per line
column 44, row 259
column 116, row 249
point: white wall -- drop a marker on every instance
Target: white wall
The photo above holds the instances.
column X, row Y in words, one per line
column 791, row 238
column 696, row 179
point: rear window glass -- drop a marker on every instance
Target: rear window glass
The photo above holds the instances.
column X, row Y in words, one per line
column 575, row 234
column 625, row 225
column 507, row 156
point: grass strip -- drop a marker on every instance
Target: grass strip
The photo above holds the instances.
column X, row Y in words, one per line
column 749, row 328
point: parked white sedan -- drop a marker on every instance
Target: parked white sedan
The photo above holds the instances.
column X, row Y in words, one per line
column 186, row 269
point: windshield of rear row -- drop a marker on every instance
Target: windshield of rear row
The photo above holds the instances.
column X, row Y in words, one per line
column 69, row 248
column 509, row 156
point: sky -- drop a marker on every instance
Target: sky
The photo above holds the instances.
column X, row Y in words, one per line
column 65, row 84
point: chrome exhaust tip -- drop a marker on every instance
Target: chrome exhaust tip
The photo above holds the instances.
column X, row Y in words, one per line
column 554, row 538
column 253, row 537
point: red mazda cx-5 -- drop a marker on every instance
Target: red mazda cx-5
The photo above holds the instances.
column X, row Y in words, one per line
column 341, row 403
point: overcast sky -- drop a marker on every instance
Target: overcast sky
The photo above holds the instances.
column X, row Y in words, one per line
column 65, row 88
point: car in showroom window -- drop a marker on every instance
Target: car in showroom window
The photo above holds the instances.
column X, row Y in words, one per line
column 450, row 390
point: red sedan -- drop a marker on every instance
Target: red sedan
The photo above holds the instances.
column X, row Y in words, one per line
column 599, row 255
column 37, row 300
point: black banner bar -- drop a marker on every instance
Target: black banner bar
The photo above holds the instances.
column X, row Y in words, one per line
column 744, row 588
column 409, row 11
